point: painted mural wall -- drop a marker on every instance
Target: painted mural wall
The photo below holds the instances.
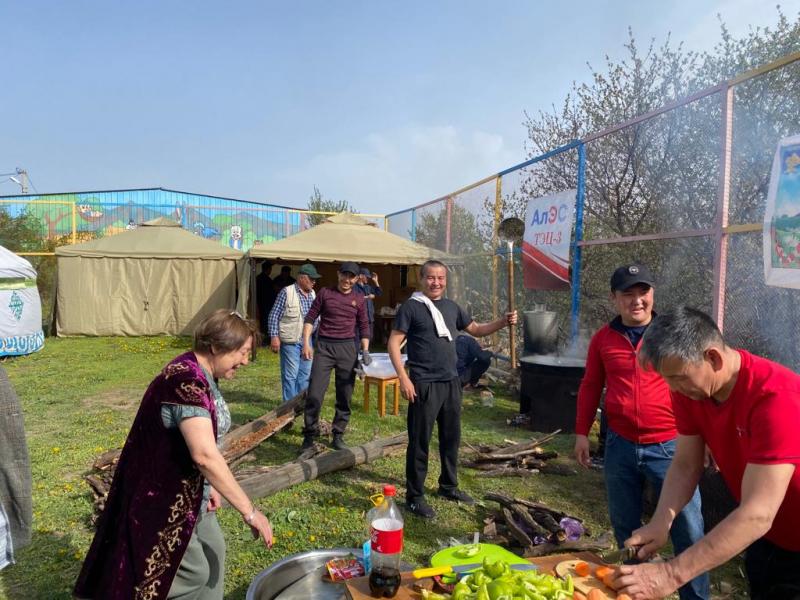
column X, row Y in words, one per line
column 235, row 223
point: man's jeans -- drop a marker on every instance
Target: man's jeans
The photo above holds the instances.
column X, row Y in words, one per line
column 627, row 466
column 295, row 370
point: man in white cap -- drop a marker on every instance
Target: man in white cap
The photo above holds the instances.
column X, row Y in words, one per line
column 286, row 330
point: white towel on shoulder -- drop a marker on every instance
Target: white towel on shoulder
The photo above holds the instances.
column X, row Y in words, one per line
column 438, row 319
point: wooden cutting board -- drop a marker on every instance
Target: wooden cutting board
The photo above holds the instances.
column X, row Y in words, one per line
column 583, row 584
column 358, row 589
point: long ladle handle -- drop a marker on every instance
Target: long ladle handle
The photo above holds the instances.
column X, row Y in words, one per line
column 512, row 339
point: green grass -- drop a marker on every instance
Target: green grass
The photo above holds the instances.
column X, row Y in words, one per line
column 79, row 397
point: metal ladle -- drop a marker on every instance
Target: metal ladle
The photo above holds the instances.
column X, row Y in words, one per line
column 511, row 231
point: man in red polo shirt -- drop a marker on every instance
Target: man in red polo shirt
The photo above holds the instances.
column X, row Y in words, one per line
column 747, row 410
column 640, row 440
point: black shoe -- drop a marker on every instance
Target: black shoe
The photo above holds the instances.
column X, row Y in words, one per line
column 338, row 442
column 308, row 443
column 421, row 509
column 457, row 496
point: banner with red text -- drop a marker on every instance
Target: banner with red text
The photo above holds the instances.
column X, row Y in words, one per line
column 545, row 246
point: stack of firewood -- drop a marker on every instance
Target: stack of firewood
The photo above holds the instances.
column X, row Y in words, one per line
column 536, row 528
column 100, row 481
column 516, row 460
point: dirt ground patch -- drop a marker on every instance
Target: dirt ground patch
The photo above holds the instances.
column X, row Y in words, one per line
column 118, row 398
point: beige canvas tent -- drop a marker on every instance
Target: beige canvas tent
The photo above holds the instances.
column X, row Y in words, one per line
column 349, row 237
column 156, row 279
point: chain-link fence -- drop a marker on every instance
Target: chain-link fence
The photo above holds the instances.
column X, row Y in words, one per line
column 682, row 188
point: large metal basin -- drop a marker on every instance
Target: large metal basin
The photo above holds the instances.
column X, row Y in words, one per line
column 300, row 577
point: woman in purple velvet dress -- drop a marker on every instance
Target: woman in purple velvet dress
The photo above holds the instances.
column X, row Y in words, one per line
column 158, row 536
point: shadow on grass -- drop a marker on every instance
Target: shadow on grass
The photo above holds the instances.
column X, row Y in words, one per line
column 47, row 568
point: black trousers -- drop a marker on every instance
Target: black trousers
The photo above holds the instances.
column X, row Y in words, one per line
column 437, row 402
column 772, row 572
column 476, row 368
column 327, row 356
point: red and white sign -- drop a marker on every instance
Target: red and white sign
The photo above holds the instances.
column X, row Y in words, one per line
column 546, row 243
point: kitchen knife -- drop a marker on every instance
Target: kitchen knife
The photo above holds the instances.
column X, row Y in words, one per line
column 617, row 557
column 444, row 569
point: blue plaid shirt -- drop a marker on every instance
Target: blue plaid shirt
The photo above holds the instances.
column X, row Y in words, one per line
column 275, row 315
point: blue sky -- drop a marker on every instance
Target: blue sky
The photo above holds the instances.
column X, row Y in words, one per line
column 384, row 104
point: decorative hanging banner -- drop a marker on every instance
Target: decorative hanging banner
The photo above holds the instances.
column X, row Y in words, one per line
column 782, row 217
column 545, row 246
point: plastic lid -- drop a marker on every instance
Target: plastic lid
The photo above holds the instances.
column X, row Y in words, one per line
column 389, row 490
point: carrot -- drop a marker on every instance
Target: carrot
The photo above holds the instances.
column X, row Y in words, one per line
column 607, row 579
column 576, row 595
column 601, row 572
column 623, row 597
column 596, row 594
column 582, row 569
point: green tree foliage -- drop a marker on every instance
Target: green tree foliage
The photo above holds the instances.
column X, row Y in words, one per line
column 663, row 174
column 319, row 203
column 21, row 233
column 470, row 239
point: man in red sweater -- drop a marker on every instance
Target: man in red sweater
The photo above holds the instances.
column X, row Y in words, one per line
column 641, row 434
column 339, row 310
column 747, row 410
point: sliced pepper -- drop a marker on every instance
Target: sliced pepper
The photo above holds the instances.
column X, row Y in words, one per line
column 500, row 590
column 483, row 593
column 429, row 595
column 494, row 568
column 468, row 550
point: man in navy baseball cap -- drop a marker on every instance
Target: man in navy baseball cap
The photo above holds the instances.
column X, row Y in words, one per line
column 641, row 436
column 627, row 276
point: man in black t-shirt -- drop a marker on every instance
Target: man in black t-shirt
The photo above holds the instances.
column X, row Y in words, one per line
column 430, row 323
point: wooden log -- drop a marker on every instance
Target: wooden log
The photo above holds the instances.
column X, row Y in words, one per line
column 508, row 472
column 546, row 520
column 530, row 504
column 244, row 444
column 259, row 486
column 604, row 542
column 524, row 516
column 481, row 466
column 516, row 531
column 511, row 451
column 107, row 460
column 563, row 470
column 99, row 487
column 293, row 407
column 519, row 511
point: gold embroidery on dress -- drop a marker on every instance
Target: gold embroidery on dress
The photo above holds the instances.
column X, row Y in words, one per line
column 168, row 540
column 191, row 393
column 175, row 368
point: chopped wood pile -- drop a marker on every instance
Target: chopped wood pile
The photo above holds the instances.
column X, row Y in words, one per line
column 536, row 528
column 516, row 460
column 100, row 481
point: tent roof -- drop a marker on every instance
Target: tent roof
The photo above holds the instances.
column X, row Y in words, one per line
column 349, row 237
column 159, row 238
column 14, row 267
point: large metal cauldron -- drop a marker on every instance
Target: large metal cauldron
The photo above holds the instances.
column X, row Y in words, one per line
column 549, row 391
column 540, row 331
column 301, row 577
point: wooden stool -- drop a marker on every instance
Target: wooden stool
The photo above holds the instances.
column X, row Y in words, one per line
column 381, row 383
